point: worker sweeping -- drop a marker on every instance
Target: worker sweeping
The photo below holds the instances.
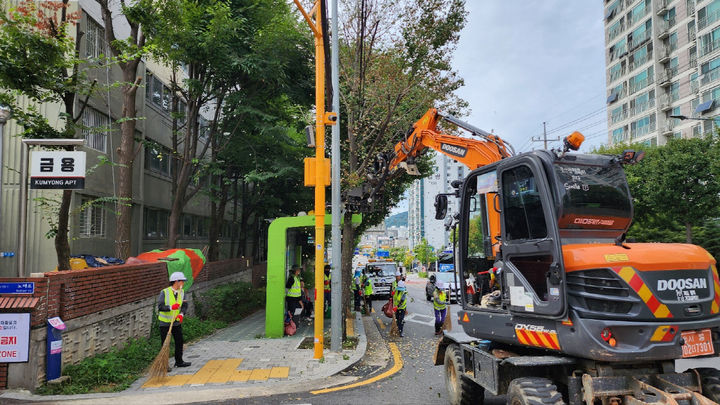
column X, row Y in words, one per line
column 171, row 307
column 367, row 293
column 440, row 306
column 400, row 305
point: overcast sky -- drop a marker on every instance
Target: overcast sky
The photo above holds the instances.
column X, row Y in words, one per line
column 529, row 61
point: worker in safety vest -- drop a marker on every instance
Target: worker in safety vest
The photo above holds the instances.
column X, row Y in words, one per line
column 327, row 286
column 171, row 307
column 294, row 288
column 400, row 305
column 398, row 278
column 440, row 307
column 355, row 287
column 367, row 293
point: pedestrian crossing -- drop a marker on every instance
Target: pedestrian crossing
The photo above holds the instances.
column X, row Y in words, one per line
column 219, row 372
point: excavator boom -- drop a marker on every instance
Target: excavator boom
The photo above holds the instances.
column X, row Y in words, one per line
column 473, row 153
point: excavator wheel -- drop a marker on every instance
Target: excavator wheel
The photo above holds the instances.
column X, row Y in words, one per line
column 710, row 383
column 533, row 390
column 462, row 390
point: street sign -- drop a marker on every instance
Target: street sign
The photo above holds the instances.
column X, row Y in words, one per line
column 63, row 170
column 17, row 288
column 14, row 338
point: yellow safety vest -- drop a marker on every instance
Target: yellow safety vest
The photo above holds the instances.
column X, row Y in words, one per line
column 400, row 299
column 439, row 302
column 368, row 286
column 327, row 283
column 168, row 316
column 294, row 291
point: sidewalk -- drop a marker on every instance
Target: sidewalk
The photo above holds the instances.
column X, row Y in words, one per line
column 234, row 363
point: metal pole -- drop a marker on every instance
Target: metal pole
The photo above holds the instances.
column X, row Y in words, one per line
column 319, row 184
column 336, row 290
column 23, row 210
column 4, row 117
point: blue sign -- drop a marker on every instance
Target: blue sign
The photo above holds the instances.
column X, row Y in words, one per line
column 17, row 288
column 446, row 267
column 382, row 253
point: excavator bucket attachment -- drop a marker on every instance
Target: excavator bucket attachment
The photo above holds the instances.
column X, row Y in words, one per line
column 410, row 168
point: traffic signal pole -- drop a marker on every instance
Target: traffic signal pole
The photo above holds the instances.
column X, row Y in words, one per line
column 317, row 170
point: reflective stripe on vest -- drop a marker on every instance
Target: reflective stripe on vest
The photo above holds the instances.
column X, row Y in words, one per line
column 167, row 316
column 294, row 291
column 439, row 301
column 327, row 283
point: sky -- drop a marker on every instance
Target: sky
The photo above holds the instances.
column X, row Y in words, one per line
column 526, row 62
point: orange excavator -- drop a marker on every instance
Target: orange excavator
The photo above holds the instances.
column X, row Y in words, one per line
column 423, row 135
column 579, row 315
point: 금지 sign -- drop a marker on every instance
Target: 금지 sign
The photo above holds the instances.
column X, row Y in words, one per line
column 57, row 170
column 14, row 338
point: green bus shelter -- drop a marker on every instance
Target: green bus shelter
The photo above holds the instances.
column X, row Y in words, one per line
column 276, row 267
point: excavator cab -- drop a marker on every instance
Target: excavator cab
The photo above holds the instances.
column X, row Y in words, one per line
column 529, row 207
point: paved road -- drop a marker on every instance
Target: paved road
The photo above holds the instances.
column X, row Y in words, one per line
column 419, row 381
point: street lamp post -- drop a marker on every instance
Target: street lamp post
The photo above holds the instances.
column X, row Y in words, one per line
column 685, row 117
column 5, row 115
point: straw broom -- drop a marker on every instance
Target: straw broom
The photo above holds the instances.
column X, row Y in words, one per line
column 159, row 366
column 447, row 324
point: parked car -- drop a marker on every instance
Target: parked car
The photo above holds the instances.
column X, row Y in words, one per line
column 446, row 282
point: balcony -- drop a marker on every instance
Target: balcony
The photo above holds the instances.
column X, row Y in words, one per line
column 709, row 47
column 710, row 77
column 692, row 35
column 665, row 77
column 664, row 28
column 665, row 55
column 615, row 118
column 662, row 7
column 708, row 19
column 641, row 108
column 616, row 31
column 694, row 86
column 641, row 39
column 641, row 84
column 638, row 17
column 666, row 103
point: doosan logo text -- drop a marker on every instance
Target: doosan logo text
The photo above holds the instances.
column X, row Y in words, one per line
column 453, row 150
column 681, row 284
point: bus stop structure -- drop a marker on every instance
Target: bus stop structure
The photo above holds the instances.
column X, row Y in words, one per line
column 279, row 257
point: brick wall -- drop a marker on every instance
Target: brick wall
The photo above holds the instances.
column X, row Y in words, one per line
column 102, row 307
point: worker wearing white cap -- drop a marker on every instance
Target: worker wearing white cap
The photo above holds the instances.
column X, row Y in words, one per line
column 171, row 307
column 400, row 305
column 393, row 287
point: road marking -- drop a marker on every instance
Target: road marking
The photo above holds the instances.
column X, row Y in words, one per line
column 381, row 323
column 398, row 364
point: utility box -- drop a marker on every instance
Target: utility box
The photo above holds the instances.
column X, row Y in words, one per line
column 53, row 368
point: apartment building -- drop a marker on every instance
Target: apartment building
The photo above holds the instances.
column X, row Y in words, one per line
column 421, row 202
column 662, row 59
column 92, row 229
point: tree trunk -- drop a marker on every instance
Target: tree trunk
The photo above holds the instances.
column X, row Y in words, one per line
column 62, row 245
column 126, row 158
column 348, row 248
column 217, row 218
column 688, row 232
column 233, row 232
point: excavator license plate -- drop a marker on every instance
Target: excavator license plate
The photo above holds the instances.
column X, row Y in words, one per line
column 697, row 343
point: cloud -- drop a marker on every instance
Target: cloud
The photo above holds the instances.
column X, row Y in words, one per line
column 525, row 62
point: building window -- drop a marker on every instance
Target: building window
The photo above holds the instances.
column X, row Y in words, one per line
column 156, row 224
column 94, row 39
column 157, row 93
column 158, row 159
column 92, row 218
column 96, row 127
column 618, row 135
column 674, row 91
column 710, row 42
column 708, row 14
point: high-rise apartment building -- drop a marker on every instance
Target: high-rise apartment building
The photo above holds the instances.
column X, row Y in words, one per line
column 662, row 60
column 421, row 202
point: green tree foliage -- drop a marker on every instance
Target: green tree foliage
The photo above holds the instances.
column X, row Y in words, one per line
column 425, row 253
column 39, row 64
column 395, row 64
column 398, row 254
column 675, row 191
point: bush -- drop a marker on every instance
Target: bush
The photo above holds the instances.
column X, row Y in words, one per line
column 422, row 274
column 229, row 302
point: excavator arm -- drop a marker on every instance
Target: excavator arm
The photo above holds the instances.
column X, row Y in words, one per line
column 473, row 153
